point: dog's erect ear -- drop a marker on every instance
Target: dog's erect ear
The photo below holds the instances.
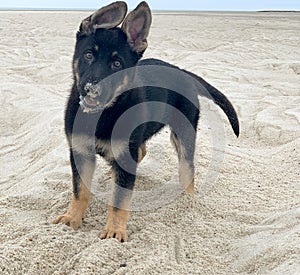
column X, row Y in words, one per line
column 136, row 26
column 106, row 18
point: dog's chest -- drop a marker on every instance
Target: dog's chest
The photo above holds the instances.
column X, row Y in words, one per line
column 87, row 145
column 110, row 149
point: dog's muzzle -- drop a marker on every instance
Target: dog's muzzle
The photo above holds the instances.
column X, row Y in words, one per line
column 90, row 101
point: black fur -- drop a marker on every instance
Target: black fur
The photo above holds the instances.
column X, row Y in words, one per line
column 114, row 40
column 98, row 55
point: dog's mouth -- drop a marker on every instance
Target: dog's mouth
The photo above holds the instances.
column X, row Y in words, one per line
column 91, row 104
column 94, row 98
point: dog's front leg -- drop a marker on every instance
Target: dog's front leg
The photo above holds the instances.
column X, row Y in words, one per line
column 124, row 173
column 83, row 166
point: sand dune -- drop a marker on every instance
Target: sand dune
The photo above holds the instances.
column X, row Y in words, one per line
column 245, row 220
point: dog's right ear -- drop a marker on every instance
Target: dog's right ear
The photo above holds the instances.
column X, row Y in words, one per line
column 106, row 17
column 136, row 26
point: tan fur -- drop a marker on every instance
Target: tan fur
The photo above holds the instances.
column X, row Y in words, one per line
column 75, row 69
column 191, row 188
column 175, row 142
column 81, row 144
column 116, row 224
column 74, row 215
column 186, row 175
column 142, row 152
column 118, row 149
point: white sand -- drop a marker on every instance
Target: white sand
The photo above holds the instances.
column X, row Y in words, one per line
column 247, row 222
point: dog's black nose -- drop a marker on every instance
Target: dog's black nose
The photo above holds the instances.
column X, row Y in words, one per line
column 90, row 87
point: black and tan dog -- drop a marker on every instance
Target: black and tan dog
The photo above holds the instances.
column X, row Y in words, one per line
column 98, row 102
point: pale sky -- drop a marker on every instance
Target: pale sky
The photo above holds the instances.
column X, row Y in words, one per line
column 217, row 5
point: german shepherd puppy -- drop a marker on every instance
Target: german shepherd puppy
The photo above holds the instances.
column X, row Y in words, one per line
column 111, row 113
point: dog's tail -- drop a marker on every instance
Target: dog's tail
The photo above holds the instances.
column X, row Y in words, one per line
column 206, row 90
column 220, row 99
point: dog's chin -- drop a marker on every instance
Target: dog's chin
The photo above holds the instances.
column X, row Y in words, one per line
column 91, row 105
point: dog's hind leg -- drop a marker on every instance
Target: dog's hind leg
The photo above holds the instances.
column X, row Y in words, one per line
column 142, row 152
column 185, row 147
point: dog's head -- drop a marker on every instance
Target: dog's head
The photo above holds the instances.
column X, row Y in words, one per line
column 103, row 49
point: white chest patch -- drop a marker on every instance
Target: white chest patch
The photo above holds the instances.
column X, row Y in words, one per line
column 86, row 145
column 112, row 150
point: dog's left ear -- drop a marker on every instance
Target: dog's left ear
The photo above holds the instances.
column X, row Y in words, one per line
column 107, row 17
column 136, row 26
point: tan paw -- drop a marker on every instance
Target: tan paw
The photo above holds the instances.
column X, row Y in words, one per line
column 114, row 232
column 73, row 221
column 116, row 224
column 74, row 215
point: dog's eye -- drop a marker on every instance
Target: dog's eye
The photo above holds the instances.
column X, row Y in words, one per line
column 89, row 56
column 116, row 64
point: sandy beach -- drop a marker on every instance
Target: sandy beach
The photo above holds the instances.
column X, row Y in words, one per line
column 245, row 215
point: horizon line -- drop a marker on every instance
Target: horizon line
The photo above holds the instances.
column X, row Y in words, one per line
column 153, row 10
